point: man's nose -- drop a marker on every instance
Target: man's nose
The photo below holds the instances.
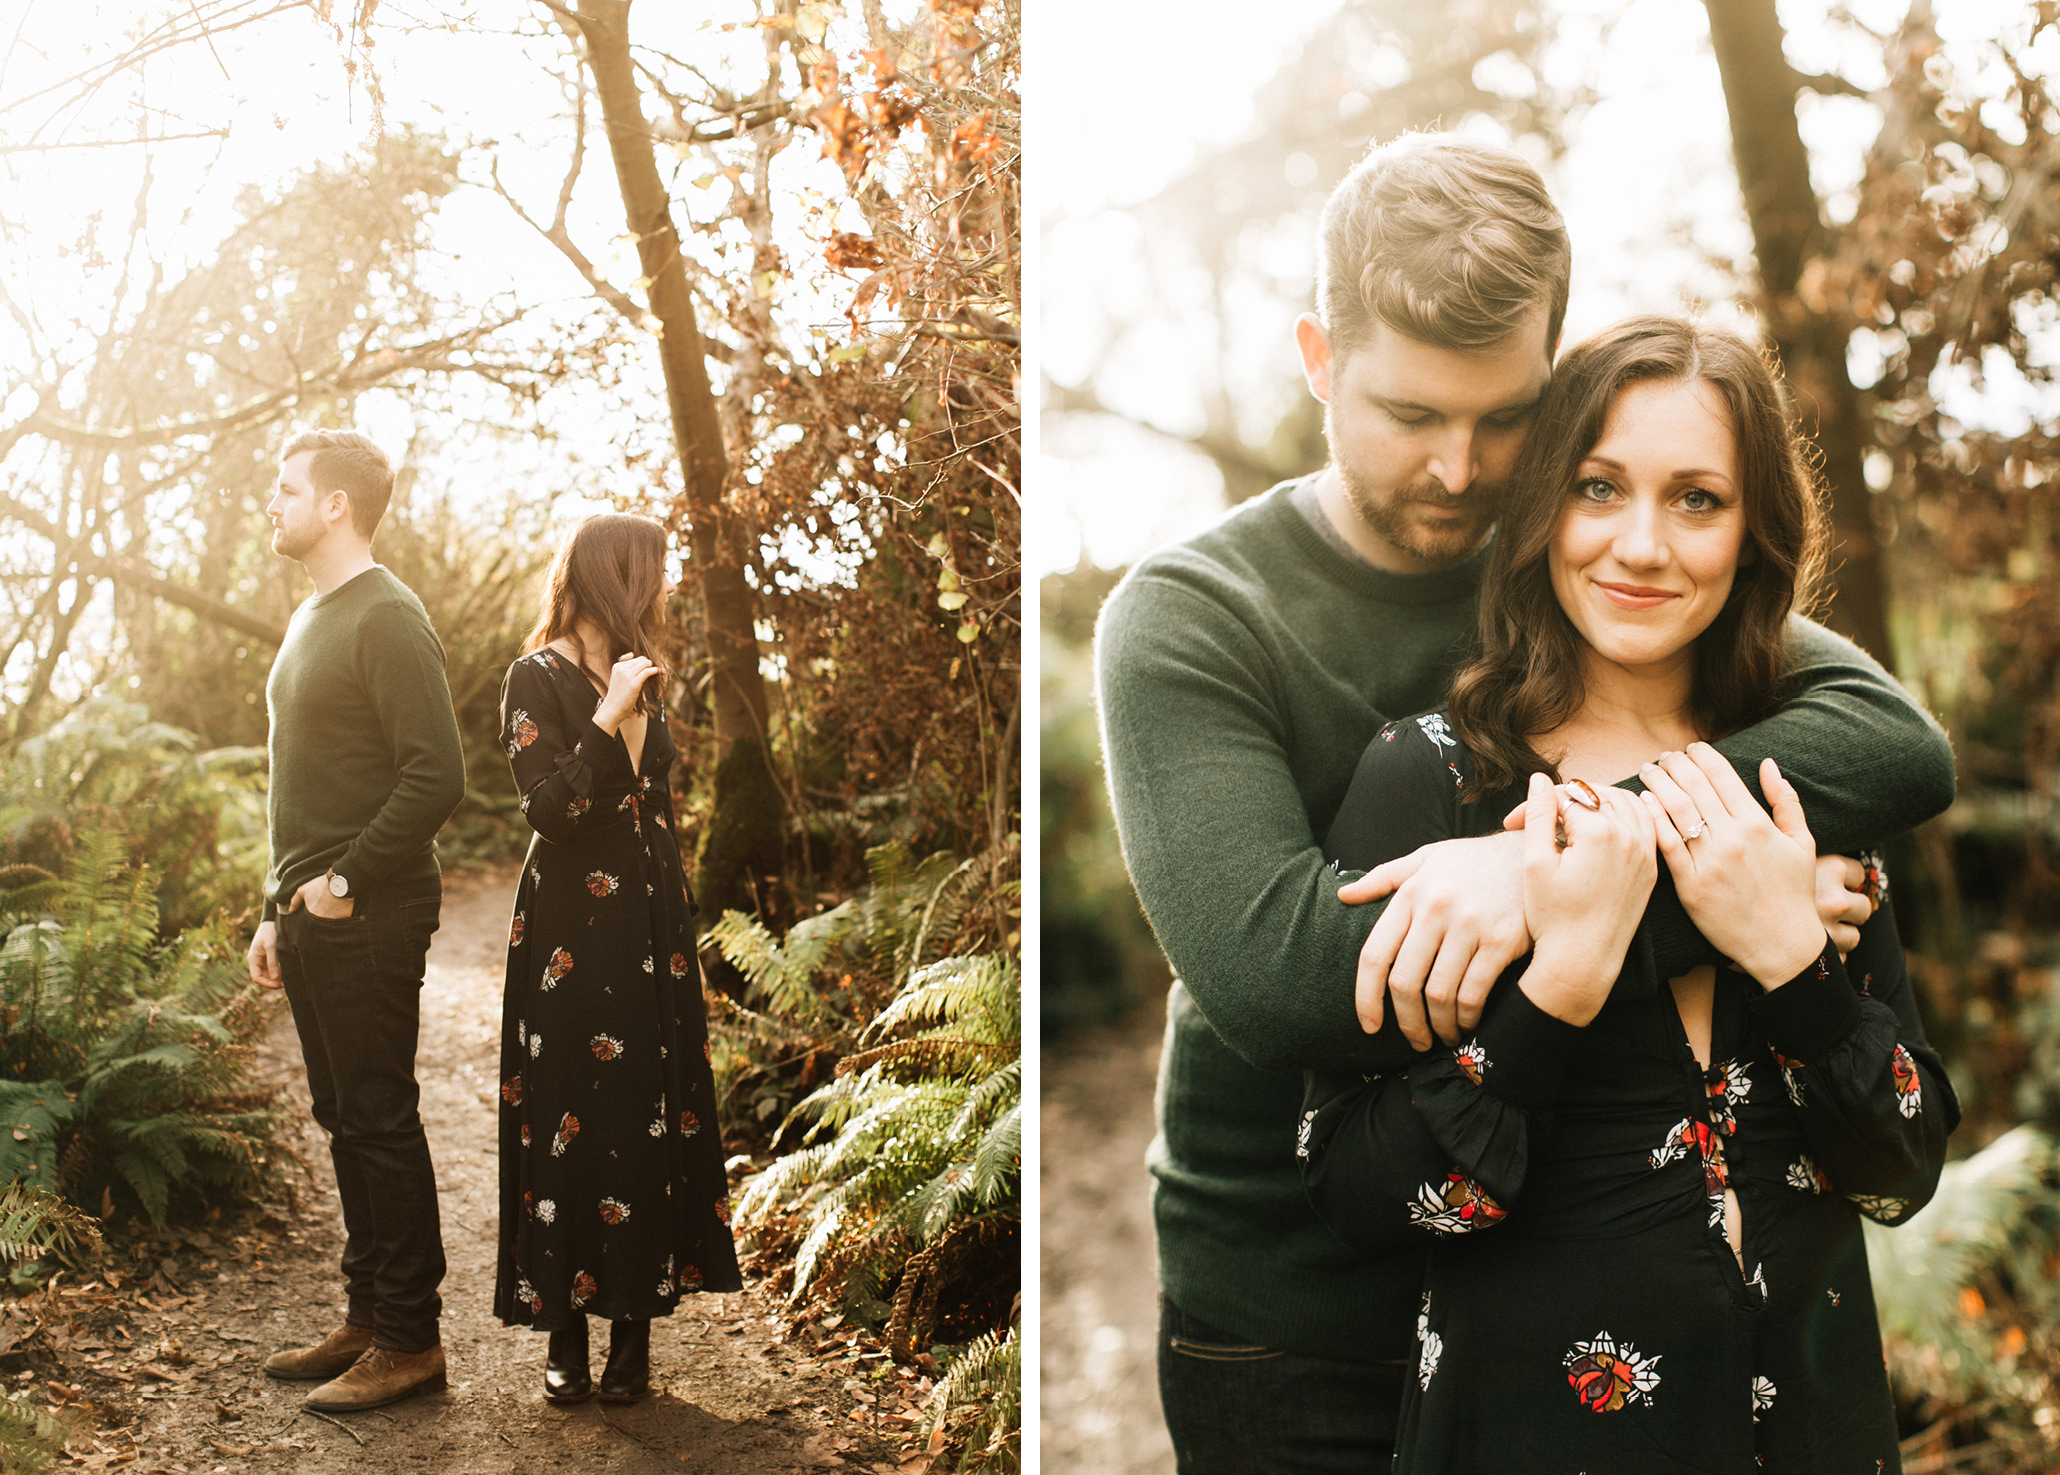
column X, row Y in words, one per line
column 1453, row 461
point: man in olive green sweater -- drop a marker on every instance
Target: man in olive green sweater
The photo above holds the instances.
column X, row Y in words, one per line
column 1241, row 674
column 366, row 767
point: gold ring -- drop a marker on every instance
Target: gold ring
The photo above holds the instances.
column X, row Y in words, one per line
column 1582, row 793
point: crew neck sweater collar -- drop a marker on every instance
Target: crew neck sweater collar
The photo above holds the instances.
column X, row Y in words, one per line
column 1278, row 506
column 355, row 581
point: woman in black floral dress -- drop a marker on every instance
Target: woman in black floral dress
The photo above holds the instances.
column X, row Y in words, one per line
column 1643, row 1195
column 613, row 1196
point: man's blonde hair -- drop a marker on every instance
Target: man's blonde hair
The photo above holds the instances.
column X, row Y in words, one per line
column 347, row 461
column 1446, row 240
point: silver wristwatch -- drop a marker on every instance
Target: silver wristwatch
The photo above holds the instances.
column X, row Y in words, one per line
column 338, row 887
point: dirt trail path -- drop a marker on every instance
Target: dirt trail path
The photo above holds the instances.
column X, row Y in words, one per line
column 1100, row 1394
column 733, row 1398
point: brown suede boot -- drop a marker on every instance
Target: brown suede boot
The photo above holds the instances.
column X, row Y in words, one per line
column 380, row 1377
column 332, row 1355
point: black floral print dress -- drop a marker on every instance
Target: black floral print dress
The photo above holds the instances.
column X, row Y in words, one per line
column 613, row 1196
column 1583, row 1307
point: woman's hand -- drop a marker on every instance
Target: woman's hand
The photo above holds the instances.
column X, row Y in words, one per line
column 625, row 684
column 1582, row 898
column 1749, row 882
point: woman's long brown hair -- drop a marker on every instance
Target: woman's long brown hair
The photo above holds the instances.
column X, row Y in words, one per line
column 609, row 573
column 1525, row 678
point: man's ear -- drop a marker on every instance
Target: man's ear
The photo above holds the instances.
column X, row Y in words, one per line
column 1315, row 345
column 336, row 506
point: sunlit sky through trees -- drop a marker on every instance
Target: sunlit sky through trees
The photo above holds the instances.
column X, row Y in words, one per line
column 88, row 215
column 1646, row 182
column 279, row 91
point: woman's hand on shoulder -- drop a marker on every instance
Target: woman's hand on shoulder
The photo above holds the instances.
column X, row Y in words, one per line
column 625, row 683
column 1747, row 879
column 1588, row 873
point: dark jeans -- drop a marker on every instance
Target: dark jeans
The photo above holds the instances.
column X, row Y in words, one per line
column 355, row 984
column 1234, row 1408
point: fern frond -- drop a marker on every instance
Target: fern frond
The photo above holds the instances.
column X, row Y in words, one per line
column 34, row 1222
column 987, row 1376
column 29, row 1440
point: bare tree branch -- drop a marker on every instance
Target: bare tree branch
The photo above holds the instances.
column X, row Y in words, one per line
column 132, row 574
column 558, row 236
column 110, row 143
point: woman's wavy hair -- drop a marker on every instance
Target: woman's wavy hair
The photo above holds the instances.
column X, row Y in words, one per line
column 1525, row 676
column 609, row 573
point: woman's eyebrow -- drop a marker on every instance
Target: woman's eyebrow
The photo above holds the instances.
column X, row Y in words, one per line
column 1686, row 474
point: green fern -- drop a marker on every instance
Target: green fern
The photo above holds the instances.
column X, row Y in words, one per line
column 199, row 816
column 120, row 1067
column 984, row 1384
column 29, row 1441
column 899, row 1192
column 34, row 1223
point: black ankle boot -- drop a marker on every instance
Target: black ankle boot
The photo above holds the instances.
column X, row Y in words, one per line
column 566, row 1379
column 627, row 1376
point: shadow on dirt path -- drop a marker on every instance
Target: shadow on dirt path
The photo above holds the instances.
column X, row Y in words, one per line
column 184, row 1393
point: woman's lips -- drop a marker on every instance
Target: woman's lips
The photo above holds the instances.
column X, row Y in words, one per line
column 1634, row 596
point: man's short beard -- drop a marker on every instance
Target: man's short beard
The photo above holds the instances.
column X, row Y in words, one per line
column 287, row 546
column 1437, row 544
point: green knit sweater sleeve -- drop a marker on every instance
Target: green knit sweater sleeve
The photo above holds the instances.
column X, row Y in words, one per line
column 1215, row 833
column 401, row 664
column 1866, row 759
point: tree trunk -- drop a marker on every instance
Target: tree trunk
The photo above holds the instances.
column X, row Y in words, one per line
column 1774, row 176
column 742, row 841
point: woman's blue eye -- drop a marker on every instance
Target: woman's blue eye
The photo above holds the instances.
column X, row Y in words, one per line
column 1594, row 489
column 1698, row 500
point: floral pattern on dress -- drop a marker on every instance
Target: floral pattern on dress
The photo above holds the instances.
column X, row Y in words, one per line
column 1762, row 1397
column 557, row 968
column 515, row 930
column 613, row 1211
column 600, row 883
column 583, row 1288
column 1429, row 1346
column 1909, row 1090
column 511, row 1090
column 1880, row 1207
column 1729, row 1087
column 521, row 732
column 1437, row 729
column 568, row 1128
column 605, row 1047
column 1458, row 1205
column 1791, row 1075
column 1427, row 1357
column 1706, row 1140
column 1607, row 1376
column 1472, row 1061
column 1804, row 1176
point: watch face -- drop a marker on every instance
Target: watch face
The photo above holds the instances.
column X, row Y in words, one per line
column 338, row 886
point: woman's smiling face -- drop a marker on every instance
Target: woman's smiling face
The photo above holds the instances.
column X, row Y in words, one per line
column 1654, row 526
